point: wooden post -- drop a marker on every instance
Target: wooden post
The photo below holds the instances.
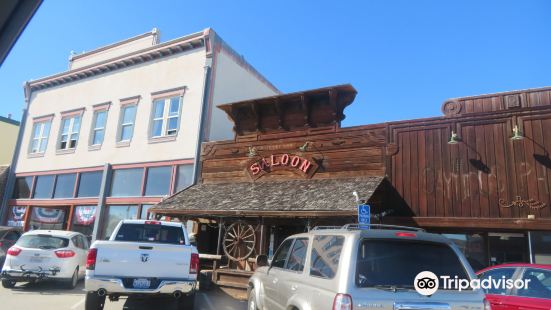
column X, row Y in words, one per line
column 262, row 243
column 218, row 245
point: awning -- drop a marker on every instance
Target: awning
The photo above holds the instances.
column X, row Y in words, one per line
column 330, row 197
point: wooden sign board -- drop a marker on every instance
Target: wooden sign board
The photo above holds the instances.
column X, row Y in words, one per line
column 298, row 164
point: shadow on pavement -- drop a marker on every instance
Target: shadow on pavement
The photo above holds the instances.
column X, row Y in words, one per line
column 48, row 288
column 204, row 300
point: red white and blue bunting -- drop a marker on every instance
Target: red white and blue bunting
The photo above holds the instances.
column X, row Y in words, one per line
column 85, row 215
column 17, row 216
column 47, row 215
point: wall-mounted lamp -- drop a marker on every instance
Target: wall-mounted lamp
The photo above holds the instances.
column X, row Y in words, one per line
column 252, row 152
column 517, row 134
column 304, row 147
column 454, row 139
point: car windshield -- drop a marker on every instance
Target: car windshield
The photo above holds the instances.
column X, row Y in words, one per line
column 151, row 233
column 42, row 242
column 395, row 263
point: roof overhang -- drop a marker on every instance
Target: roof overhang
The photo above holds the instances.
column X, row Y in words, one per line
column 305, row 109
column 14, row 17
column 292, row 198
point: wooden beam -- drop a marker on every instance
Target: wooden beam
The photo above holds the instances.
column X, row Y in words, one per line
column 254, row 107
column 305, row 103
column 280, row 113
column 235, row 116
column 333, row 103
column 472, row 223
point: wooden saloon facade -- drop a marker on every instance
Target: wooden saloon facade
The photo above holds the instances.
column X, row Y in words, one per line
column 481, row 174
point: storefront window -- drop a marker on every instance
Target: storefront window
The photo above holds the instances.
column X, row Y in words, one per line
column 16, row 216
column 473, row 247
column 65, row 185
column 44, row 186
column 508, row 248
column 117, row 213
column 23, row 187
column 48, row 218
column 89, row 184
column 83, row 220
column 185, row 177
column 144, row 214
column 541, row 246
column 158, row 181
column 127, row 182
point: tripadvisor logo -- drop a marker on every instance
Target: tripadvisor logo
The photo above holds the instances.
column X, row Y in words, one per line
column 427, row 283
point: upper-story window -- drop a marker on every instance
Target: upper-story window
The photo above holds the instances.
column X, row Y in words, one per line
column 126, row 126
column 99, row 122
column 39, row 139
column 166, row 116
column 70, row 127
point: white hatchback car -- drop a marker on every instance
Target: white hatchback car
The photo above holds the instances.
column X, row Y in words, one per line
column 46, row 255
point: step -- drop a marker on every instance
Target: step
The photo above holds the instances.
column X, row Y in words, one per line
column 232, row 284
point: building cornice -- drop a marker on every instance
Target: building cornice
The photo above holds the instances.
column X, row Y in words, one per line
column 169, row 48
column 153, row 32
column 9, row 121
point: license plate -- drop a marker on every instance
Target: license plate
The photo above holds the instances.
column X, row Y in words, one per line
column 37, row 259
column 141, row 283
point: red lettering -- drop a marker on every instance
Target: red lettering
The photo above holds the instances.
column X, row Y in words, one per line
column 285, row 159
column 255, row 169
column 264, row 165
column 295, row 160
column 305, row 166
column 273, row 160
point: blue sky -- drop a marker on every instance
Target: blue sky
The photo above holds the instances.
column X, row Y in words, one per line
column 404, row 57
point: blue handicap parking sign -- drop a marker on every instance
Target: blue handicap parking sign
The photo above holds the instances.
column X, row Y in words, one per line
column 364, row 216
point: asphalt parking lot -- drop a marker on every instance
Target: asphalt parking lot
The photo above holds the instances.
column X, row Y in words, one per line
column 50, row 296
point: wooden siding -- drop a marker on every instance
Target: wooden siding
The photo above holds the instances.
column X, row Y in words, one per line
column 340, row 153
column 507, row 101
column 428, row 178
column 469, row 179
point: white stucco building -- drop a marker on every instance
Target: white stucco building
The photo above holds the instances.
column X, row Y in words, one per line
column 121, row 129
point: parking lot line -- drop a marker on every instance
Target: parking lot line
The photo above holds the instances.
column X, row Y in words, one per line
column 207, row 300
column 78, row 304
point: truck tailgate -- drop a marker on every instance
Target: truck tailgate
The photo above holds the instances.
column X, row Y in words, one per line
column 148, row 260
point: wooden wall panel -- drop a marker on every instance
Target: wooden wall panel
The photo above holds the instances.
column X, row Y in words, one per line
column 469, row 179
column 346, row 153
column 511, row 101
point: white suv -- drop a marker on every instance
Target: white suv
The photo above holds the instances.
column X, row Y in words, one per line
column 352, row 268
column 46, row 255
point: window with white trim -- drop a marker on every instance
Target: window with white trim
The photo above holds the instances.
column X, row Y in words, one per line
column 126, row 127
column 70, row 127
column 165, row 117
column 39, row 140
column 98, row 127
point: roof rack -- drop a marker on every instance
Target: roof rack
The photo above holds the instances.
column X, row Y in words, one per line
column 380, row 226
column 326, row 227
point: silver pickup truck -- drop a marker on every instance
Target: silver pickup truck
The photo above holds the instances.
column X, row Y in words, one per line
column 146, row 258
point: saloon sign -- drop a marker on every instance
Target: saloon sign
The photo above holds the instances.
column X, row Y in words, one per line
column 291, row 162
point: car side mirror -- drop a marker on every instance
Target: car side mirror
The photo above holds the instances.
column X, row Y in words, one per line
column 262, row 260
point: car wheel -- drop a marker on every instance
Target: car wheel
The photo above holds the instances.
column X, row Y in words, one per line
column 72, row 283
column 8, row 283
column 93, row 301
column 186, row 302
column 252, row 305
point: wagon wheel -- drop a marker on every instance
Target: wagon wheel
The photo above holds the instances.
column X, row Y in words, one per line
column 239, row 241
